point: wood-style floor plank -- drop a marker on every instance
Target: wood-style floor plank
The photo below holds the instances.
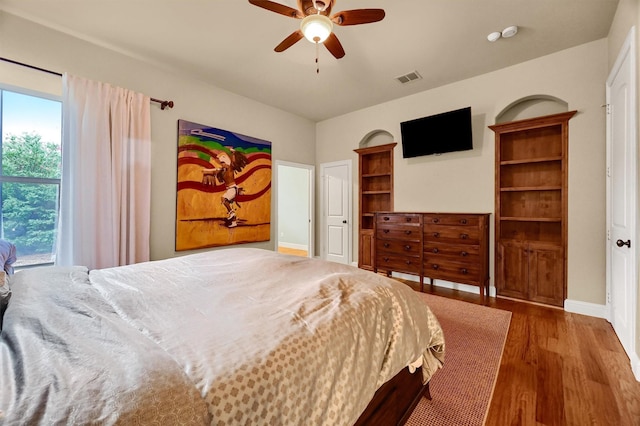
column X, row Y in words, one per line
column 558, row 368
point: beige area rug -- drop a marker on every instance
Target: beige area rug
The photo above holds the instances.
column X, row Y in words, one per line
column 474, row 340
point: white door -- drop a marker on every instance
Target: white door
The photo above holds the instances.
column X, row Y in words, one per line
column 336, row 211
column 621, row 195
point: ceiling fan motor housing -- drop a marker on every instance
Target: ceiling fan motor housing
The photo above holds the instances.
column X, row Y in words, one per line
column 313, row 7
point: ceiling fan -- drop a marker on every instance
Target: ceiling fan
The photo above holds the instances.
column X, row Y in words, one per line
column 317, row 22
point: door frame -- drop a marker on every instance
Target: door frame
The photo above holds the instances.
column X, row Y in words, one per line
column 311, row 169
column 628, row 49
column 323, row 208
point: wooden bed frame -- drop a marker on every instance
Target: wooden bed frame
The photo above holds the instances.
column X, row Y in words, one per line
column 394, row 402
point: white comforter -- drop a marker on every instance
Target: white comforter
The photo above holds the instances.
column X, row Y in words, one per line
column 235, row 336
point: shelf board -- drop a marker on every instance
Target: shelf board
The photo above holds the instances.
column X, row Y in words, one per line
column 368, row 175
column 368, row 214
column 375, row 192
column 530, row 219
column 530, row 160
column 531, row 188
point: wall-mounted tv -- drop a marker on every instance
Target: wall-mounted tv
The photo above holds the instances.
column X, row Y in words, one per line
column 436, row 134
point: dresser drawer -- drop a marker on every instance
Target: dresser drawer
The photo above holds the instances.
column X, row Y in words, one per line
column 399, row 232
column 407, row 248
column 466, row 273
column 450, row 219
column 451, row 234
column 399, row 219
column 399, row 263
column 434, row 250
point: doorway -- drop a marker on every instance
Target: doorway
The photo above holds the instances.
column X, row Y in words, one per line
column 295, row 194
column 622, row 211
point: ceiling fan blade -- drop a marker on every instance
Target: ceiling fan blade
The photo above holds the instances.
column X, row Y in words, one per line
column 334, row 46
column 278, row 8
column 292, row 39
column 358, row 16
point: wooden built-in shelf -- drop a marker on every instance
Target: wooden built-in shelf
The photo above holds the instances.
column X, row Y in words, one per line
column 531, row 208
column 375, row 171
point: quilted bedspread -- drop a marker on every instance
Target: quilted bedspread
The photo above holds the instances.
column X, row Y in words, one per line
column 226, row 337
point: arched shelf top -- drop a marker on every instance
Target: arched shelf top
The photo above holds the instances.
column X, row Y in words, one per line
column 375, row 138
column 530, row 107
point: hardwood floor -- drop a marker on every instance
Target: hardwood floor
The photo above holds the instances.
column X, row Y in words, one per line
column 558, row 368
column 295, row 252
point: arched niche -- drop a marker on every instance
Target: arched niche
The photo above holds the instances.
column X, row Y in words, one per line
column 375, row 138
column 532, row 106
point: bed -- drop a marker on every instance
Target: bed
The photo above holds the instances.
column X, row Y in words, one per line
column 225, row 337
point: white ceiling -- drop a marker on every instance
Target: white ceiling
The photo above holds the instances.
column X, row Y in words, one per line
column 229, row 43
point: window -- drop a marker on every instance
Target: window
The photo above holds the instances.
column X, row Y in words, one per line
column 30, row 174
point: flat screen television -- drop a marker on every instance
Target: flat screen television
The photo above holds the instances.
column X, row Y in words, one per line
column 436, row 134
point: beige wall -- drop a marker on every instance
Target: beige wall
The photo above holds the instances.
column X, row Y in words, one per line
column 464, row 181
column 627, row 16
column 292, row 137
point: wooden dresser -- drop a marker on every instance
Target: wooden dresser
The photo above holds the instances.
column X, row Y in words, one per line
column 446, row 246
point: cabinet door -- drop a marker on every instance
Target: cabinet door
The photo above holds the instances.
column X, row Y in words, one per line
column 366, row 250
column 546, row 274
column 512, row 266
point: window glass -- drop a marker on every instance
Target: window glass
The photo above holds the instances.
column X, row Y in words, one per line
column 30, row 174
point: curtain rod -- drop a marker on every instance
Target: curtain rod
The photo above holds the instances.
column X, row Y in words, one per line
column 163, row 104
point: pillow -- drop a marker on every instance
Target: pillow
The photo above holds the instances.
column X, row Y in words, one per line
column 5, row 294
column 7, row 256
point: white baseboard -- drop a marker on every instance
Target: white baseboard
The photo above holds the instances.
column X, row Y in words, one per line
column 293, row 246
column 445, row 284
column 586, row 308
column 635, row 366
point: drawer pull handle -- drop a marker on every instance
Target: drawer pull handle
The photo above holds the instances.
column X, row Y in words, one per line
column 464, row 236
column 464, row 271
column 386, row 245
column 463, row 253
column 407, row 247
column 463, row 221
column 386, row 218
column 409, row 219
column 436, row 234
column 408, row 262
column 386, row 259
column 435, row 250
column 436, row 220
column 386, row 231
column 407, row 232
column 435, row 266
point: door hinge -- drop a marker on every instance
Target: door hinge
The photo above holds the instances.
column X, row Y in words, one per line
column 608, row 234
column 607, row 108
column 608, row 171
column 608, row 297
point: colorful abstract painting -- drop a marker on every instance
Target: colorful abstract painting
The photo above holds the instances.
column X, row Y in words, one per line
column 224, row 188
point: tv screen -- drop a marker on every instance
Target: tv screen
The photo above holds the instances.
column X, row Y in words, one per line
column 436, row 134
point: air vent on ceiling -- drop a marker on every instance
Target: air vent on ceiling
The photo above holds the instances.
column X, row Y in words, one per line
column 409, row 77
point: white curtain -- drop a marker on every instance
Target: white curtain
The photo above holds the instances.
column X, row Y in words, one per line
column 105, row 196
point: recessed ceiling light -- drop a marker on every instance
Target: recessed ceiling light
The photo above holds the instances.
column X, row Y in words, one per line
column 494, row 36
column 509, row 31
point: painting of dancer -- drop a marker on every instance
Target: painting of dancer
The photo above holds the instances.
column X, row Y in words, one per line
column 223, row 188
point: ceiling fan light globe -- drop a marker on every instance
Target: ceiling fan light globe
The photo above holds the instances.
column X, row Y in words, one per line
column 316, row 28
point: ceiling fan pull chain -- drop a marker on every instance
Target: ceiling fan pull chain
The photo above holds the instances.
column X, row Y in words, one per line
column 317, row 55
